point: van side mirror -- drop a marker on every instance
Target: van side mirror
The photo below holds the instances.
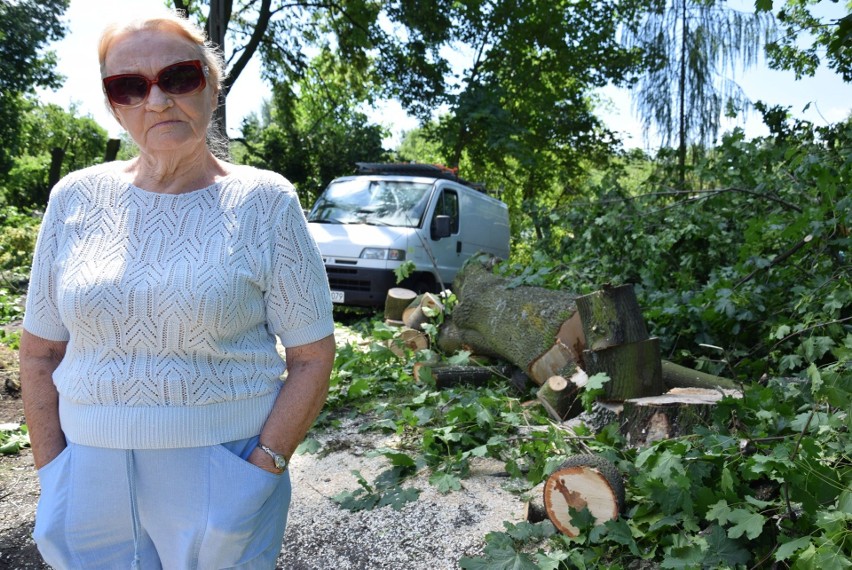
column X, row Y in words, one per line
column 441, row 227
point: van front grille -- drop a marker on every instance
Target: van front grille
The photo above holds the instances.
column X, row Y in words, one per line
column 346, row 280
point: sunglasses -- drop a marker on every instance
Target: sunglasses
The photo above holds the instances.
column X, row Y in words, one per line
column 131, row 89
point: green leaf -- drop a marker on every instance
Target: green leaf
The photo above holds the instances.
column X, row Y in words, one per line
column 460, row 358
column 763, row 5
column 844, row 502
column 500, row 555
column 727, row 481
column 398, row 459
column 309, row 445
column 619, row 531
column 686, row 557
column 398, row 497
column 719, row 512
column 746, row 522
column 445, row 482
column 722, row 551
column 788, row 549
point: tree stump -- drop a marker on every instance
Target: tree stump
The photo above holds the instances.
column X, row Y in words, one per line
column 611, row 317
column 634, row 369
column 678, row 412
column 583, row 481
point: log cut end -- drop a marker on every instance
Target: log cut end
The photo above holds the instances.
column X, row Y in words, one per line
column 583, row 481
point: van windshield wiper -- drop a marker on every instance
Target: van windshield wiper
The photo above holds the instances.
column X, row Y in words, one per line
column 327, row 221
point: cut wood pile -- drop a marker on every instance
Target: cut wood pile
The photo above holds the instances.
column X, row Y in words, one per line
column 551, row 343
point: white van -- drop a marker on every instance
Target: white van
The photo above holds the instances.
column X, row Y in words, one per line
column 369, row 224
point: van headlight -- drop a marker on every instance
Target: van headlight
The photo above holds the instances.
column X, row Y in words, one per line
column 383, row 254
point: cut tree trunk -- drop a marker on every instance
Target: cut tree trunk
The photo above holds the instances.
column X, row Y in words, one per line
column 673, row 414
column 517, row 324
column 611, row 317
column 676, row 376
column 410, row 339
column 398, row 298
column 448, row 375
column 558, row 395
column 583, row 481
column 634, row 369
column 414, row 315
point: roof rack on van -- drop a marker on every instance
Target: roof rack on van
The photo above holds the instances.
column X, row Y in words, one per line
column 416, row 169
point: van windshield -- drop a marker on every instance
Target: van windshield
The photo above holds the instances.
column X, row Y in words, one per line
column 377, row 202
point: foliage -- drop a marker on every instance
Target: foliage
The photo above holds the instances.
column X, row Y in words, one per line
column 12, row 339
column 43, row 128
column 314, row 133
column 769, row 479
column 13, row 438
column 18, row 232
column 385, row 491
column 691, row 46
column 830, row 39
column 747, row 277
column 755, row 262
column 26, row 28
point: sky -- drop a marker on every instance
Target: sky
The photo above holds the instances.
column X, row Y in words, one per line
column 823, row 99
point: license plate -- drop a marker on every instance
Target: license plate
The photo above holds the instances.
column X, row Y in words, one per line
column 337, row 296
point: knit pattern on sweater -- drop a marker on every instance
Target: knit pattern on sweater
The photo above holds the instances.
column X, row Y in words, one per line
column 173, row 302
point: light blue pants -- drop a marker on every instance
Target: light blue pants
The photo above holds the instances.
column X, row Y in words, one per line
column 177, row 509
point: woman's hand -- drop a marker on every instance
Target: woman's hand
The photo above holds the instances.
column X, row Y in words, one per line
column 263, row 460
column 300, row 400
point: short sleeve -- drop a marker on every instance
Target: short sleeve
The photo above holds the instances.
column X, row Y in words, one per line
column 298, row 300
column 41, row 314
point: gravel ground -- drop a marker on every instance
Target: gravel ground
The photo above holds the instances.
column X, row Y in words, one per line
column 432, row 533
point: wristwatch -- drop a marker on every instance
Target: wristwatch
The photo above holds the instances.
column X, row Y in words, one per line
column 279, row 460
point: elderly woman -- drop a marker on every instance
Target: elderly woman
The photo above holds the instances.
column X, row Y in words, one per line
column 152, row 387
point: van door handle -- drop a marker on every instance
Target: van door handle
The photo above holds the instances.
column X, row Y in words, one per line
column 458, row 247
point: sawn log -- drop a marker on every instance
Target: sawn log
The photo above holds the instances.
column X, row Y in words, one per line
column 517, row 324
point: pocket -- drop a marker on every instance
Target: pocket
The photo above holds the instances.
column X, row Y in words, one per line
column 245, row 500
column 55, row 463
column 239, row 452
column 50, row 533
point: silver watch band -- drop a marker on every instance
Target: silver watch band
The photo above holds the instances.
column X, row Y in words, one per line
column 279, row 460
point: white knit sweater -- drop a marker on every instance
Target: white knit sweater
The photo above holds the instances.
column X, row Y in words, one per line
column 171, row 304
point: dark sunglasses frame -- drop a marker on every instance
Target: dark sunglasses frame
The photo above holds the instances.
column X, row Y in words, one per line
column 194, row 63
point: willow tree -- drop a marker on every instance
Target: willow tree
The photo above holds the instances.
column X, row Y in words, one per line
column 694, row 47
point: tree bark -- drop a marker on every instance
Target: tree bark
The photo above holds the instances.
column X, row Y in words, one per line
column 559, row 395
column 677, row 376
column 611, row 317
column 112, row 148
column 517, row 324
column 634, row 369
column 449, row 376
